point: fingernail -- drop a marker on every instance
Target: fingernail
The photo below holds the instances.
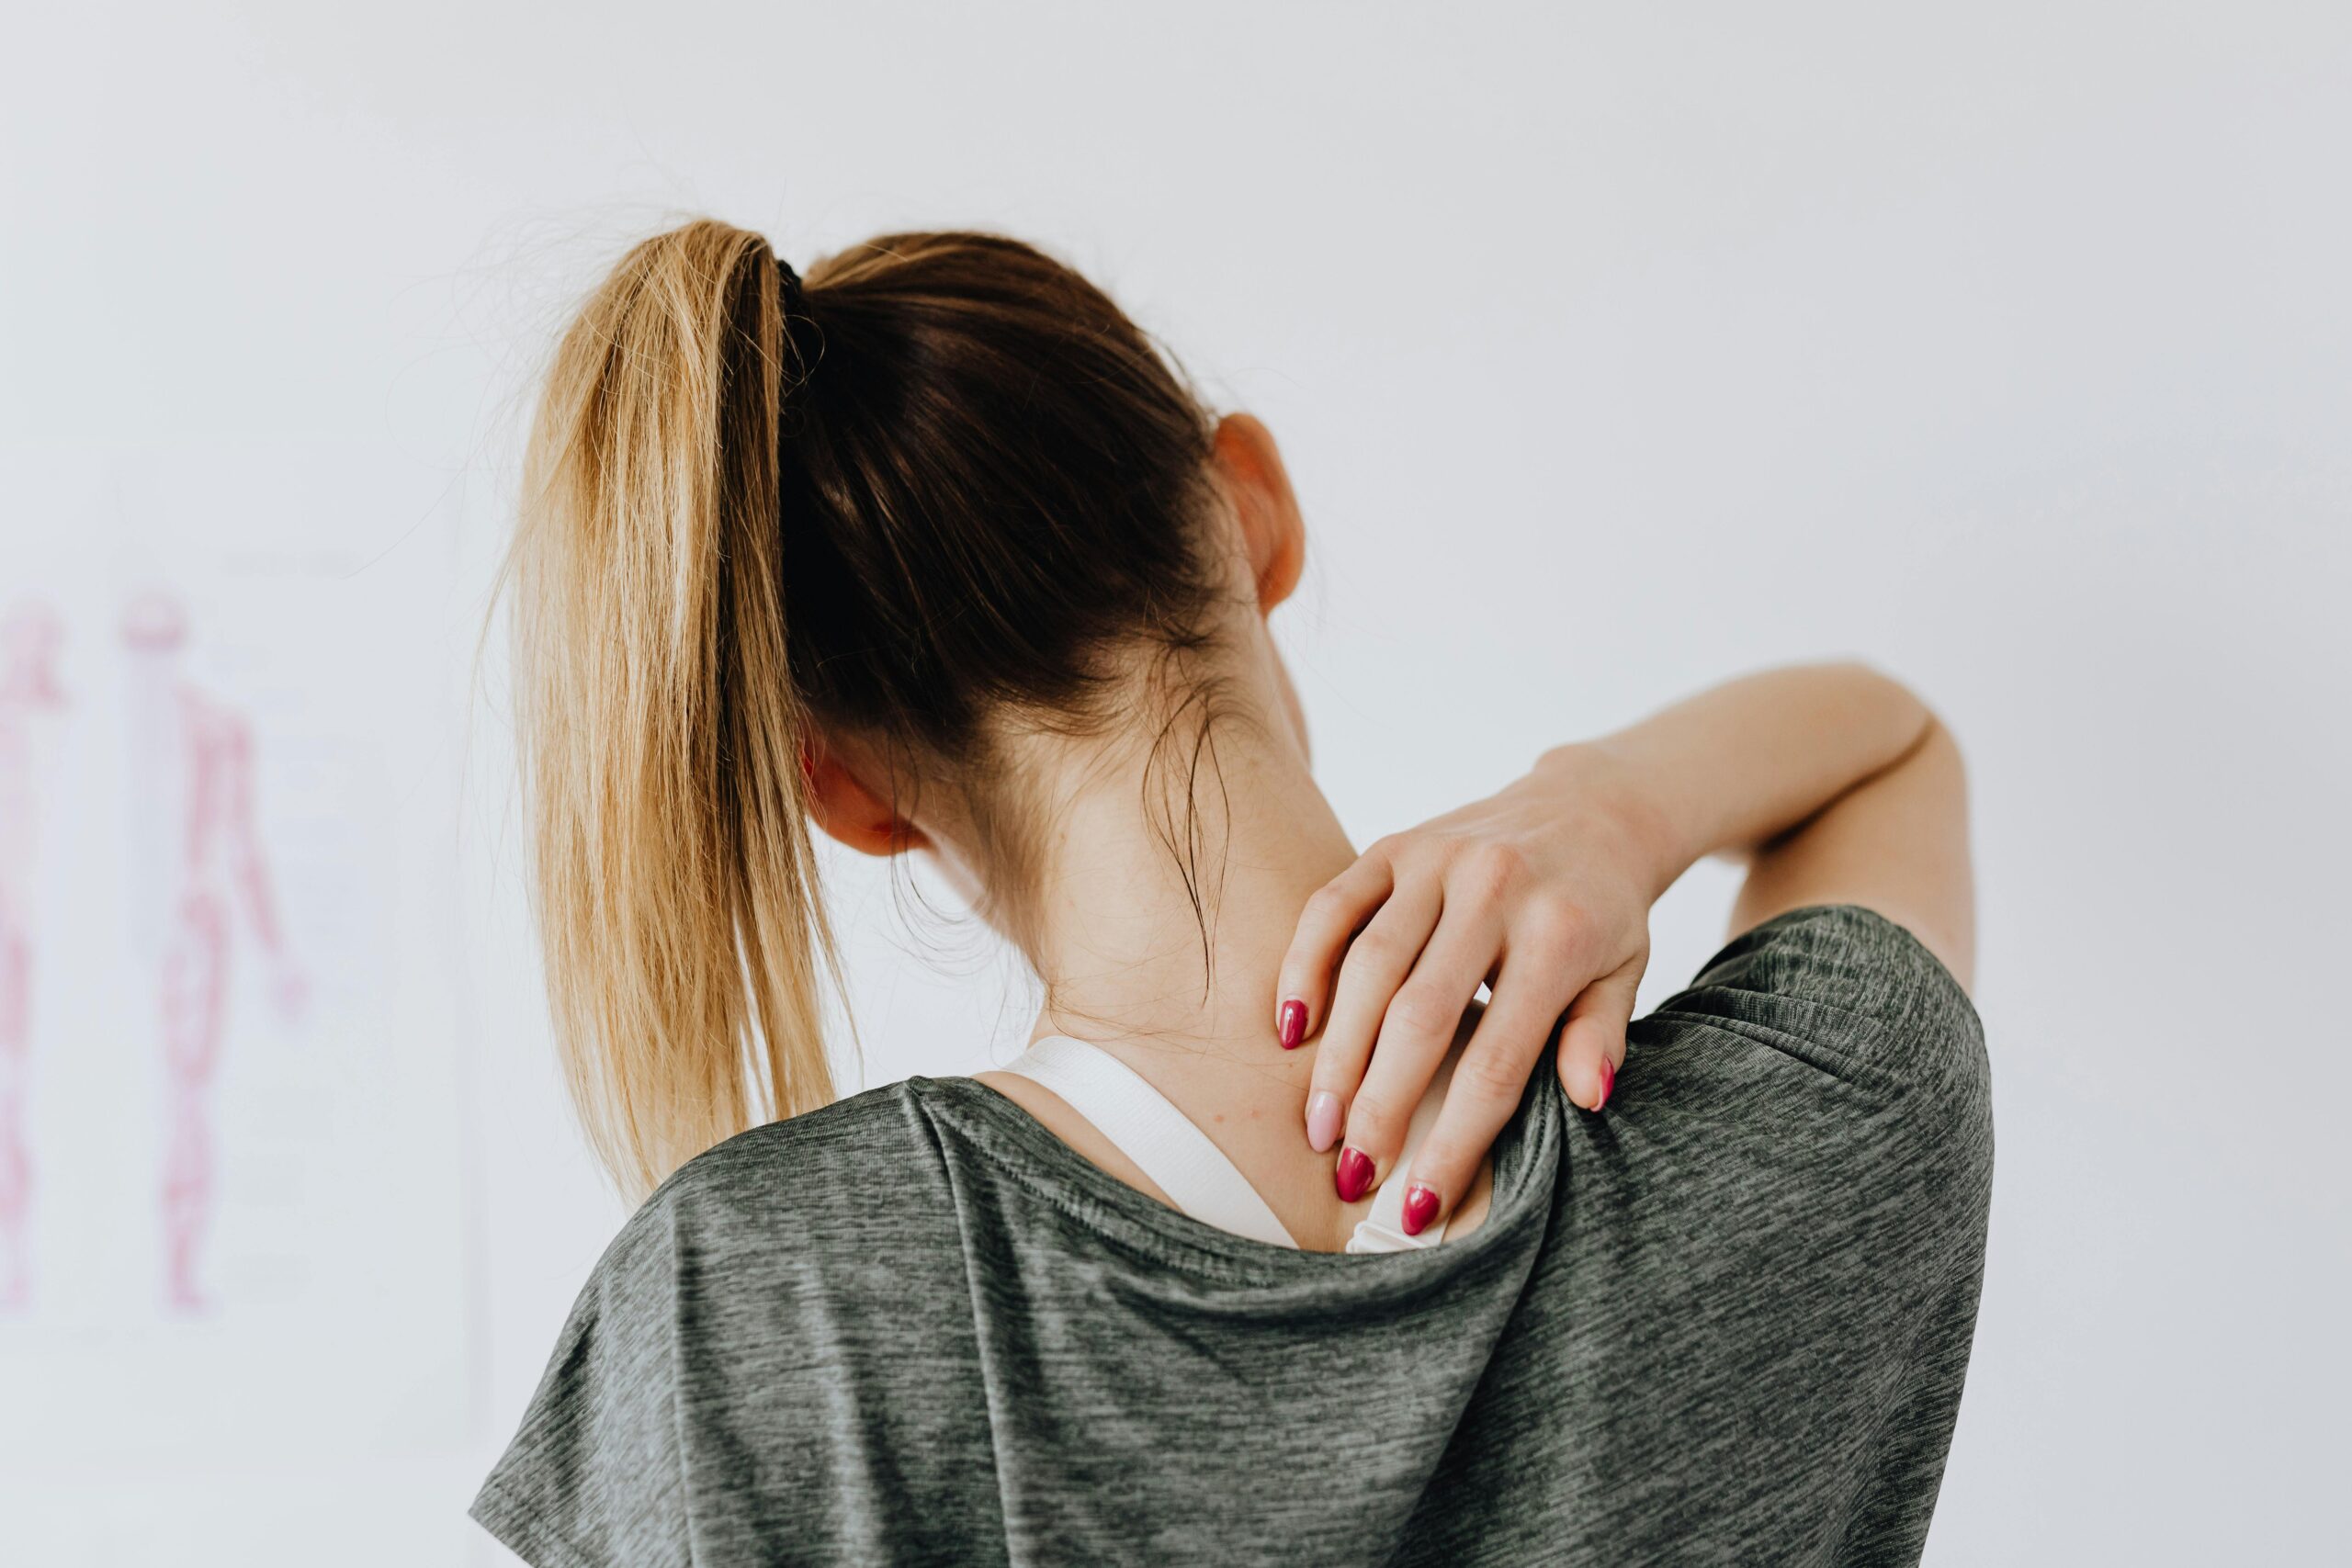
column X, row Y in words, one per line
column 1354, row 1175
column 1294, row 1025
column 1608, row 1082
column 1420, row 1208
column 1322, row 1121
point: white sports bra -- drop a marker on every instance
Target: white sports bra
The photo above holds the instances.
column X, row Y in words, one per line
column 1192, row 1171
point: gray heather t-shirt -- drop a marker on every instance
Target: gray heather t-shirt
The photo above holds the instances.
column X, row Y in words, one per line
column 1726, row 1321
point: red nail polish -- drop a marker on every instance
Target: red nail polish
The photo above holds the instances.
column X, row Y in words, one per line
column 1420, row 1208
column 1294, row 1025
column 1353, row 1176
column 1608, row 1082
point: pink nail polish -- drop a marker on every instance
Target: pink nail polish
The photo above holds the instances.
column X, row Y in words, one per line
column 1420, row 1208
column 1322, row 1121
column 1294, row 1025
column 1608, row 1082
column 1354, row 1175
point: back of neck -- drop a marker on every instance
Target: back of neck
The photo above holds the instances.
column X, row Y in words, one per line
column 1172, row 969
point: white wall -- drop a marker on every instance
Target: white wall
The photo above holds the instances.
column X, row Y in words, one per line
column 1614, row 349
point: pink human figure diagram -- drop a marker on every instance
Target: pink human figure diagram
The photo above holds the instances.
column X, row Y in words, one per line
column 29, row 696
column 197, row 776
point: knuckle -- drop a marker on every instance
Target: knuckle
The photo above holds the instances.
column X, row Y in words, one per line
column 1418, row 1010
column 1440, row 845
column 1490, row 1075
column 1558, row 924
column 1373, row 949
column 1326, row 902
column 1489, row 869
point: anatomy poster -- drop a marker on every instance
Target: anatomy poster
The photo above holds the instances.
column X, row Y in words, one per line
column 233, row 1240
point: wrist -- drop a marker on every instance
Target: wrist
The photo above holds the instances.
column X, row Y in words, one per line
column 1597, row 776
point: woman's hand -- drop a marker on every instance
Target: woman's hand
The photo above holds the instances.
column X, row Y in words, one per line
column 1543, row 893
column 1831, row 779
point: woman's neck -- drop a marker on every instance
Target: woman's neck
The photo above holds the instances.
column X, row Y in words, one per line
column 1136, row 946
column 1118, row 942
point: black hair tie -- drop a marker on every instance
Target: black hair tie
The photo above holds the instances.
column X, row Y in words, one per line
column 793, row 303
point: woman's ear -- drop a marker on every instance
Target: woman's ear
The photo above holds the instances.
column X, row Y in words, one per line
column 1250, row 467
column 848, row 810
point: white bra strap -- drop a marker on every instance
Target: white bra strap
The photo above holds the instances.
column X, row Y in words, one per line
column 1383, row 1230
column 1177, row 1156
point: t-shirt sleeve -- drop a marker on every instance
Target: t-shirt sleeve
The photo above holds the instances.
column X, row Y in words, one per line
column 1829, row 1077
column 594, row 1476
column 1851, row 992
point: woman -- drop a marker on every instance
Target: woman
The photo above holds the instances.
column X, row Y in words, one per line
column 932, row 550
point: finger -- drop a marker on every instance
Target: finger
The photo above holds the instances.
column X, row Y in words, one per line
column 1416, row 1033
column 1377, row 961
column 1592, row 1039
column 1488, row 1082
column 1340, row 908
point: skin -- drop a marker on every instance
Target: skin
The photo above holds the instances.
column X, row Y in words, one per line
column 1833, row 783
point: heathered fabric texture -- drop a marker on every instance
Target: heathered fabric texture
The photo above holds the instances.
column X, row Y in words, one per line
column 1726, row 1321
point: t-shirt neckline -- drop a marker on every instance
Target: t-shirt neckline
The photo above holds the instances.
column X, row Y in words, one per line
column 1528, row 1157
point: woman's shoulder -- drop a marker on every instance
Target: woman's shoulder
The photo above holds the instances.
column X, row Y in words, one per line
column 1835, row 1018
column 731, row 1282
column 1845, row 987
column 1815, row 1109
column 844, row 1173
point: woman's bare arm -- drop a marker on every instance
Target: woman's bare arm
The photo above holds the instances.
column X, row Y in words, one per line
column 1835, row 782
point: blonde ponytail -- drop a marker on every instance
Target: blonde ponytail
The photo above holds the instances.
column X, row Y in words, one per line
column 676, row 891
